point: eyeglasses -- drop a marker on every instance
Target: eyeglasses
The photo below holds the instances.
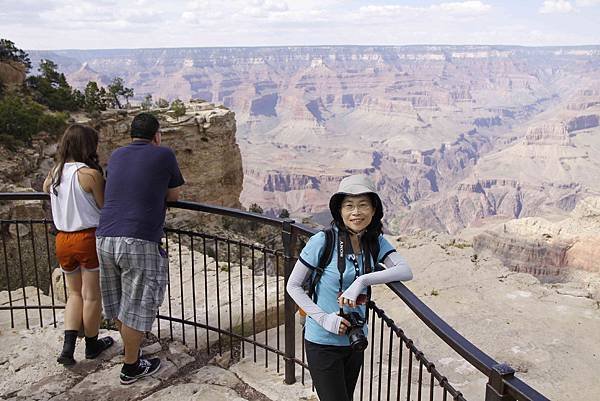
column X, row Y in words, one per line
column 361, row 207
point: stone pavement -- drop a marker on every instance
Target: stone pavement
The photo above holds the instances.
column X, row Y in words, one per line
column 29, row 371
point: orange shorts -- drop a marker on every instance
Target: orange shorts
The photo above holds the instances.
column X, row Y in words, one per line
column 77, row 249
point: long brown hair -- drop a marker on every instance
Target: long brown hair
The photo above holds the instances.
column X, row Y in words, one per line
column 78, row 143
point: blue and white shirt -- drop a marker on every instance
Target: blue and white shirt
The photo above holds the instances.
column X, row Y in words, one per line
column 328, row 286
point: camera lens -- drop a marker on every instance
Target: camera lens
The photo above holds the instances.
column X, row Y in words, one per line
column 357, row 338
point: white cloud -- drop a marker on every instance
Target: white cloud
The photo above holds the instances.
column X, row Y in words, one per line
column 56, row 24
column 101, row 14
column 556, row 6
column 463, row 8
column 387, row 10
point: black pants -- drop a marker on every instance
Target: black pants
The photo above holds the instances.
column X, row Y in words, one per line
column 334, row 370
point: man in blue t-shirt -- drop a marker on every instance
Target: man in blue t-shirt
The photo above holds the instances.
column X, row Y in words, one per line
column 141, row 178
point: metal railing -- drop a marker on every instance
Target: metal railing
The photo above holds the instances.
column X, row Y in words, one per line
column 229, row 294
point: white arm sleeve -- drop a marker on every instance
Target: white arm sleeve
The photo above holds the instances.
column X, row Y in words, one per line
column 396, row 270
column 329, row 321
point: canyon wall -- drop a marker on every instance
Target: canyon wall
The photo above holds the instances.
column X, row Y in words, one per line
column 429, row 124
column 545, row 248
column 204, row 143
column 12, row 74
column 205, row 146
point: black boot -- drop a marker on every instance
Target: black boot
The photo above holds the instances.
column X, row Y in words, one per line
column 95, row 346
column 66, row 356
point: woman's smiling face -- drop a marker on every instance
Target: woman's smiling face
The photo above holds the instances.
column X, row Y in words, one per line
column 357, row 212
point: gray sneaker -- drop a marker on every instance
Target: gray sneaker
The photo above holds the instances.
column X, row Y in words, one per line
column 145, row 367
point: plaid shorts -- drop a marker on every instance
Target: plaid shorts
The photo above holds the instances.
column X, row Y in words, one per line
column 133, row 279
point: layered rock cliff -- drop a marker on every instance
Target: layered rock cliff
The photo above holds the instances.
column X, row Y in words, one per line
column 545, row 248
column 204, row 143
column 309, row 114
column 12, row 74
column 546, row 169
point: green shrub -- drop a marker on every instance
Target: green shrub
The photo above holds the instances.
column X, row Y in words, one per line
column 162, row 103
column 255, row 208
column 52, row 89
column 147, row 102
column 178, row 108
column 9, row 52
column 54, row 124
column 10, row 142
column 21, row 118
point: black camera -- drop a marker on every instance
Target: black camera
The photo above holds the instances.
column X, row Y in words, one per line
column 356, row 335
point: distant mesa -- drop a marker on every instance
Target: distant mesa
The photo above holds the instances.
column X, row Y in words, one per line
column 544, row 248
column 583, row 122
column 548, row 134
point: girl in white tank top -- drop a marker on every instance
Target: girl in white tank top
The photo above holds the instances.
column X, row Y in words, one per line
column 73, row 209
column 76, row 188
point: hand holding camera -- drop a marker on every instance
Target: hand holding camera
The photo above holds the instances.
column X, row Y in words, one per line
column 352, row 325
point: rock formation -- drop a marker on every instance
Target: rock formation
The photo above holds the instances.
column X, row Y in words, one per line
column 545, row 248
column 428, row 123
column 547, row 134
column 12, row 74
column 203, row 141
column 205, row 146
column 546, row 171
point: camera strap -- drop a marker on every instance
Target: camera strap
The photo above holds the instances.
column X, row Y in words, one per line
column 343, row 244
column 343, row 241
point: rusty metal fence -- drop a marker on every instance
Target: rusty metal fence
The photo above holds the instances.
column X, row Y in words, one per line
column 228, row 294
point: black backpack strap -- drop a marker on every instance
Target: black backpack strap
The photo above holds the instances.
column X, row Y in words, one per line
column 324, row 261
column 371, row 248
column 374, row 249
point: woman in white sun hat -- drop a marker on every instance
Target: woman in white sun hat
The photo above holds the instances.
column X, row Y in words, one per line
column 336, row 306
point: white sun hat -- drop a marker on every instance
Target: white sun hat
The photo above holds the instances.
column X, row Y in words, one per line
column 357, row 184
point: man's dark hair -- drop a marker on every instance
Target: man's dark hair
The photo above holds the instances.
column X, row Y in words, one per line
column 144, row 125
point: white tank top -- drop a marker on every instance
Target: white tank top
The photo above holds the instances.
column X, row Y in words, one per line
column 73, row 209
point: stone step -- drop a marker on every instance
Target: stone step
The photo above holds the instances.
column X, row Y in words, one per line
column 29, row 371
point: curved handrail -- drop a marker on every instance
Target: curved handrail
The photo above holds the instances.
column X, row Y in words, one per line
column 457, row 342
column 225, row 211
column 471, row 353
column 12, row 196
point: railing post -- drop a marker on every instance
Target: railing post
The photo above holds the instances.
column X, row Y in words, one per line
column 289, row 247
column 495, row 389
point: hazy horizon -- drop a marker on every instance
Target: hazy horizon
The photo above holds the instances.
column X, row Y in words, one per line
column 483, row 45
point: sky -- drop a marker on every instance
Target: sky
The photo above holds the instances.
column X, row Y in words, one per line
column 107, row 24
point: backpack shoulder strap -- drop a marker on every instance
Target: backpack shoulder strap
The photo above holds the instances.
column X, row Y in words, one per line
column 374, row 248
column 328, row 251
column 324, row 260
column 373, row 251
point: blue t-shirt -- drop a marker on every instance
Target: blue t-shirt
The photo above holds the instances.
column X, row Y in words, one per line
column 329, row 284
column 137, row 179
